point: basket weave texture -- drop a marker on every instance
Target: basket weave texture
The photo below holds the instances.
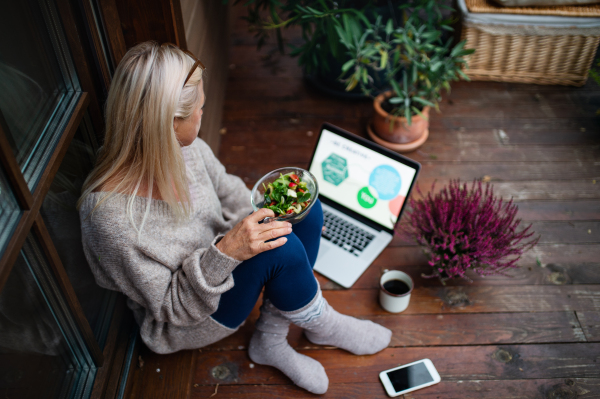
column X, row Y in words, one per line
column 524, row 55
column 484, row 6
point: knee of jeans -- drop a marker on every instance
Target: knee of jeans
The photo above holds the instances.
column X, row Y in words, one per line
column 292, row 254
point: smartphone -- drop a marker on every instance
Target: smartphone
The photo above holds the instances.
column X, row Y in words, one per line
column 410, row 377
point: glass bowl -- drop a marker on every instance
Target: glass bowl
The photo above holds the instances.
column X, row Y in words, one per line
column 257, row 196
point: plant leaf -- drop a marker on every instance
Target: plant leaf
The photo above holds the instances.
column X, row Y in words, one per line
column 352, row 83
column 423, row 101
column 395, row 86
column 417, row 112
column 389, row 27
column 384, row 59
column 463, row 75
column 457, row 49
column 348, row 65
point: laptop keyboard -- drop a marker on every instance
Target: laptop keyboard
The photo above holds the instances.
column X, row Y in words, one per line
column 345, row 235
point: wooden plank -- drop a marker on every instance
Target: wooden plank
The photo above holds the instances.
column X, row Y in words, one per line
column 564, row 210
column 162, row 376
column 497, row 171
column 513, row 389
column 242, row 150
column 441, row 330
column 443, row 144
column 474, row 299
column 550, row 232
column 368, row 390
column 444, row 134
column 235, row 108
column 590, row 323
column 247, row 57
column 462, row 103
column 454, row 363
column 468, row 389
column 550, row 274
column 561, row 254
column 524, row 131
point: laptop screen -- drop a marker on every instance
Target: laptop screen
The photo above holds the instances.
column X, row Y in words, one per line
column 361, row 179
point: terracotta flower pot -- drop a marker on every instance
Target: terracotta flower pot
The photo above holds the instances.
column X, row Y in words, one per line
column 401, row 133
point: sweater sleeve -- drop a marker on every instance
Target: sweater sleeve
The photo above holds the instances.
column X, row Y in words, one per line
column 189, row 294
column 231, row 190
column 182, row 295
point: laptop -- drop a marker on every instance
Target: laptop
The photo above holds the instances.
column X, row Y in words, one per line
column 363, row 189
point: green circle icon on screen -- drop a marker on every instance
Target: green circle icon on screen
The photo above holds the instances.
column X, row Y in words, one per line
column 365, row 198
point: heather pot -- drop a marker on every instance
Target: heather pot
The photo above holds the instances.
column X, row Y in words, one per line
column 401, row 132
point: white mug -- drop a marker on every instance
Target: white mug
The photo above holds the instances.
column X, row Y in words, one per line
column 394, row 303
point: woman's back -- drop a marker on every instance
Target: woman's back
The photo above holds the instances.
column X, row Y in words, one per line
column 171, row 272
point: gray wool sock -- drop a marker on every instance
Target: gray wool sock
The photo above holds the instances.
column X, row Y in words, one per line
column 269, row 346
column 325, row 326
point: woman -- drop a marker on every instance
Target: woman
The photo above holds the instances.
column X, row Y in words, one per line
column 163, row 223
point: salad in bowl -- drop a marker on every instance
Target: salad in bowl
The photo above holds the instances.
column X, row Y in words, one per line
column 289, row 192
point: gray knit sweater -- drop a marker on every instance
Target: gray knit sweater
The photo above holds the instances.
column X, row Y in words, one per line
column 174, row 275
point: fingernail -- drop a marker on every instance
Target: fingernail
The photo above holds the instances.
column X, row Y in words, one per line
column 289, row 224
column 289, row 229
column 284, row 239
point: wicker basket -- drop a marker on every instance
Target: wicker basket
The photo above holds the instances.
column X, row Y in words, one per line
column 556, row 50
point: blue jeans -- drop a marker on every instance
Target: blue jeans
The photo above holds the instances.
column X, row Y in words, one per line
column 285, row 272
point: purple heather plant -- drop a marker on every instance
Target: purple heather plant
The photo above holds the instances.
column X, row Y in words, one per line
column 468, row 228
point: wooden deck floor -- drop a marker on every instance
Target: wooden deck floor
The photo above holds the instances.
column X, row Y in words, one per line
column 536, row 335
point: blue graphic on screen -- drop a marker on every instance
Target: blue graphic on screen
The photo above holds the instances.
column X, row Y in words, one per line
column 386, row 181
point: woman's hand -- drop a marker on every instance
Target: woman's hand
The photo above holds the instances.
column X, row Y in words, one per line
column 247, row 238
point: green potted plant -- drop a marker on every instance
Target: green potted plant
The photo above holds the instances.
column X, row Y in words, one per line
column 416, row 63
column 321, row 52
column 408, row 54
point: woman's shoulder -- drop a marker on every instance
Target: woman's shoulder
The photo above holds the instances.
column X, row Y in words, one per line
column 109, row 205
column 201, row 149
column 99, row 207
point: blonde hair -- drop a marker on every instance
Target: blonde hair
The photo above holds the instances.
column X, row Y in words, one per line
column 140, row 146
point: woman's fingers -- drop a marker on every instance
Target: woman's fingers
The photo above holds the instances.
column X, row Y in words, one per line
column 264, row 228
column 261, row 214
column 274, row 233
column 266, row 246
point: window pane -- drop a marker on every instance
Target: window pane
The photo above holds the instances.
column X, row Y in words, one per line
column 38, row 86
column 38, row 358
column 9, row 212
column 62, row 220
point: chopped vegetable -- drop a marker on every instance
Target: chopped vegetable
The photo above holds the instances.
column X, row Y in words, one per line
column 286, row 195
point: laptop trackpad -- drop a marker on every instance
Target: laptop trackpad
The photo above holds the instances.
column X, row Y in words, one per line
column 322, row 251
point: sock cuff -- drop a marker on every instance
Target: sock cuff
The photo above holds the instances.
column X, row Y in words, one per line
column 308, row 313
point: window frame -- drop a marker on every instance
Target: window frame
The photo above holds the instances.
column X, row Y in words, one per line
column 31, row 202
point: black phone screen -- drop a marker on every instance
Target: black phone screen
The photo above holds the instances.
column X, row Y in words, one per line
column 409, row 377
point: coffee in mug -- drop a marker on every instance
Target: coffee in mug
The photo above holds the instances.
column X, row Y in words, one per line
column 395, row 290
